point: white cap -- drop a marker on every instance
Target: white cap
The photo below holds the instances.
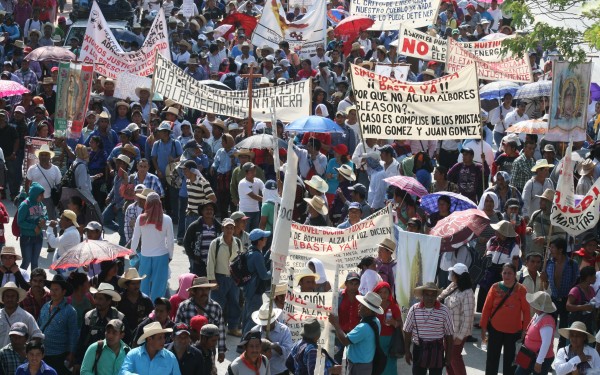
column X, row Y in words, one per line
column 458, row 269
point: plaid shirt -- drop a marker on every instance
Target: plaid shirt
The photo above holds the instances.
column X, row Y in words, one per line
column 569, row 278
column 10, row 360
column 30, row 305
column 213, row 312
column 29, row 78
column 462, row 307
column 521, row 171
column 131, row 213
column 151, row 182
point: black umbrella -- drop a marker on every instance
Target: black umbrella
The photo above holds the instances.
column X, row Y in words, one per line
column 91, row 210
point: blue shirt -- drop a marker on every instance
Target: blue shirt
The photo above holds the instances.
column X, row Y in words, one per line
column 138, row 362
column 222, row 163
column 109, row 140
column 44, row 369
column 362, row 347
column 163, row 150
column 62, row 333
column 570, row 274
column 151, row 182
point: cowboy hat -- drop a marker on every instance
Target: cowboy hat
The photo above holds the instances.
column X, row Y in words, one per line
column 318, row 184
column 144, row 193
column 19, row 43
column 105, row 80
column 125, row 159
column 71, row 216
column 44, row 148
column 12, row 286
column 586, row 167
column 262, row 318
column 107, row 289
column 9, row 250
column 577, row 327
column 165, row 125
column 311, row 329
column 130, row 275
column 47, row 81
column 60, row 280
column 152, row 329
column 205, row 131
column 388, row 244
column 372, row 301
column 244, row 152
column 505, row 228
column 172, row 110
column 201, row 282
column 541, row 301
column 185, row 43
column 281, row 289
column 542, row 163
column 305, row 272
column 346, row 171
column 427, row 286
column 318, row 204
column 548, row 194
column 265, row 81
column 129, row 148
column 140, row 89
column 219, row 123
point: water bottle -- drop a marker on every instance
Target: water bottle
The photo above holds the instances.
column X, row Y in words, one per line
column 484, row 343
column 388, row 315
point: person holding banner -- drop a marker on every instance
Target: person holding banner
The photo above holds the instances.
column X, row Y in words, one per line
column 259, row 267
column 303, row 356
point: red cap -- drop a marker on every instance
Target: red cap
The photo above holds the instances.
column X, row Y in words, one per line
column 54, row 69
column 471, row 6
column 62, row 19
column 27, row 49
column 282, row 152
column 198, row 322
column 341, row 149
column 431, row 64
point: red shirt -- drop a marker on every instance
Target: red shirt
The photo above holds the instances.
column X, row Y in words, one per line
column 396, row 314
column 348, row 313
column 303, row 74
column 324, row 138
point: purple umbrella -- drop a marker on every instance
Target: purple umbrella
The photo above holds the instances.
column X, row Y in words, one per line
column 595, row 91
column 459, row 228
column 458, row 202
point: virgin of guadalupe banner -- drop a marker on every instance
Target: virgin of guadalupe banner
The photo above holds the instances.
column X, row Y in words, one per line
column 444, row 108
column 390, row 14
column 569, row 101
column 100, row 47
column 73, row 88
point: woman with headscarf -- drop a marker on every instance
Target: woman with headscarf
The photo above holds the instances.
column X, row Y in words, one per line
column 185, row 281
column 390, row 320
column 488, row 204
column 317, row 267
column 503, row 189
column 319, row 100
column 83, row 180
column 369, row 278
column 155, row 230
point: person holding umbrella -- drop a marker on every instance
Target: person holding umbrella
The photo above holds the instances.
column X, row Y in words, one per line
column 69, row 238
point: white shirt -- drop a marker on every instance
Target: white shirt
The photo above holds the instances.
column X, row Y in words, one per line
column 497, row 16
column 596, row 287
column 154, row 242
column 563, row 367
column 179, row 58
column 240, row 60
column 363, row 150
column 19, row 315
column 7, row 277
column 497, row 117
column 475, row 145
column 48, row 178
column 69, row 238
column 513, row 117
column 246, row 187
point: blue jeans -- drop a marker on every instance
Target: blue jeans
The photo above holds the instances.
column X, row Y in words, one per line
column 181, row 226
column 156, row 270
column 253, row 219
column 545, row 368
column 228, row 297
column 498, row 138
column 251, row 305
column 31, row 247
column 108, row 218
column 189, row 219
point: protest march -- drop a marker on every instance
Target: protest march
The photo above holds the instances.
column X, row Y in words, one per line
column 278, row 187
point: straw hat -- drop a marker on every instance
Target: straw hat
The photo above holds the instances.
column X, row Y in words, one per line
column 140, row 89
column 243, row 152
column 44, row 148
column 548, row 194
column 71, row 216
column 262, row 318
column 152, row 329
column 125, row 159
column 9, row 250
column 427, row 286
column 577, row 327
column 201, row 282
column 388, row 244
column 107, row 289
column 12, row 286
column 346, row 171
column 541, row 301
column 281, row 289
column 144, row 193
column 305, row 272
column 172, row 110
column 318, row 184
column 372, row 301
column 542, row 163
column 318, row 204
column 220, row 124
column 185, row 44
column 586, row 167
column 505, row 228
column 47, row 81
column 265, row 81
column 130, row 275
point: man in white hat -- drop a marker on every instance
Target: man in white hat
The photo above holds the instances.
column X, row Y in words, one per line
column 9, row 271
column 11, row 313
column 536, row 187
column 69, row 238
column 306, row 279
column 46, row 174
column 151, row 354
column 362, row 341
column 134, row 304
column 279, row 335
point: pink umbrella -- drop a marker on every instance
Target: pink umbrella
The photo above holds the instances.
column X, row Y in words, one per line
column 51, row 53
column 408, row 184
column 459, row 228
column 10, row 88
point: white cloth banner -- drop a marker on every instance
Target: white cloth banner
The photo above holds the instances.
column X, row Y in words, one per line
column 127, row 83
column 573, row 219
column 303, row 35
column 417, row 44
column 100, row 47
column 399, row 72
column 444, row 108
column 291, row 101
column 299, row 307
column 416, row 263
column 491, row 65
column 390, row 14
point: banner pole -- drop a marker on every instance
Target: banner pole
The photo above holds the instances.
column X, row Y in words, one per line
column 334, row 308
column 360, row 133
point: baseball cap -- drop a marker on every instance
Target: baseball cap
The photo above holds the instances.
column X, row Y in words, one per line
column 354, row 206
column 238, row 215
column 19, row 328
column 181, row 328
column 458, row 268
column 117, row 324
column 359, row 188
column 271, row 185
column 197, row 322
column 93, row 225
column 227, row 222
column 209, row 330
column 352, row 276
column 258, row 234
column 248, row 166
column 20, row 109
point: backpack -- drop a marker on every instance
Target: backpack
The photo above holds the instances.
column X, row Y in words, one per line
column 230, row 80
column 99, row 354
column 379, row 359
column 238, row 269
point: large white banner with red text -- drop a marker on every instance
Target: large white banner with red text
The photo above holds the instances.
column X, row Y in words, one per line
column 389, row 14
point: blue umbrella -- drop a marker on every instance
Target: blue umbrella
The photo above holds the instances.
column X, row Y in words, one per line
column 534, row 90
column 458, row 202
column 316, row 124
column 497, row 90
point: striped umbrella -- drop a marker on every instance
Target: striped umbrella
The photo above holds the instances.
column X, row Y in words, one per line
column 534, row 90
column 537, row 126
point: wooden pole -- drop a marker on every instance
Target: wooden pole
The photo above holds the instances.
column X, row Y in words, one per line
column 250, row 77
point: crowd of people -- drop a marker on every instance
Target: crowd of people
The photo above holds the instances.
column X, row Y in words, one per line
column 160, row 175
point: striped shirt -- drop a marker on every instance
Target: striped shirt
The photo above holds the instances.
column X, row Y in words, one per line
column 428, row 324
column 197, row 192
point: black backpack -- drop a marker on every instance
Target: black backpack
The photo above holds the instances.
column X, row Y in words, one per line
column 238, row 269
column 230, row 80
column 379, row 359
column 68, row 179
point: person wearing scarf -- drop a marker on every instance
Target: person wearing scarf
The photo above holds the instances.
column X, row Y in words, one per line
column 155, row 230
column 251, row 361
column 388, row 325
column 185, row 281
column 317, row 267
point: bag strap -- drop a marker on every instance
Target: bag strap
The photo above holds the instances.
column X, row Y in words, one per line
column 50, row 320
column 98, row 354
column 502, row 302
column 40, row 168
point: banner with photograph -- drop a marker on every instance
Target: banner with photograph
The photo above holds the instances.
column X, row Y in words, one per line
column 416, row 263
column 444, row 108
column 399, row 72
column 303, row 35
column 73, row 88
column 418, row 44
column 100, row 47
column 491, row 65
column 292, row 101
column 32, row 144
column 569, row 101
column 299, row 307
column 389, row 14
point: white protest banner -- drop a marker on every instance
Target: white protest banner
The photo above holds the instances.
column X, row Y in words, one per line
column 415, row 43
column 126, row 83
column 491, row 65
column 101, row 48
column 444, row 108
column 399, row 72
column 188, row 8
column 303, row 4
column 292, row 101
column 389, row 14
column 573, row 219
column 416, row 263
column 283, row 225
column 303, row 35
column 299, row 307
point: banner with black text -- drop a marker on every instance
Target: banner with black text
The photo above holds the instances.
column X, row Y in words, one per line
column 389, row 14
column 417, row 44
